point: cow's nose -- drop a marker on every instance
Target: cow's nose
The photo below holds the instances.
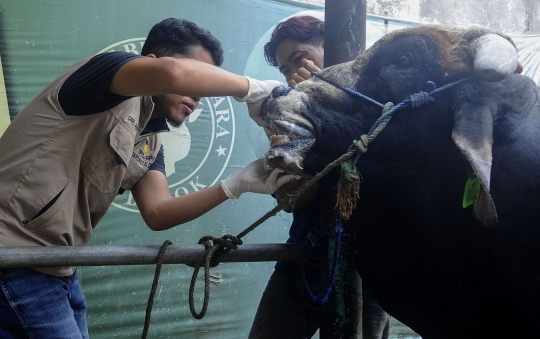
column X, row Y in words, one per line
column 276, row 93
column 279, row 91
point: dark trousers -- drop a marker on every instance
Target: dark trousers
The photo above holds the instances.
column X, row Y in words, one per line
column 287, row 313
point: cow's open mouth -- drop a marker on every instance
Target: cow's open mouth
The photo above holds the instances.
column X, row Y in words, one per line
column 288, row 146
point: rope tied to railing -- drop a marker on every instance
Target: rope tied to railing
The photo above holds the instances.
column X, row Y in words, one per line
column 150, row 304
column 219, row 247
column 211, row 256
column 357, row 148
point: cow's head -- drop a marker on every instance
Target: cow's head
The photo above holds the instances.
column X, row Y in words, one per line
column 316, row 122
column 398, row 65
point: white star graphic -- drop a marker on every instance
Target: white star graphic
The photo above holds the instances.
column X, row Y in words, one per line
column 220, row 150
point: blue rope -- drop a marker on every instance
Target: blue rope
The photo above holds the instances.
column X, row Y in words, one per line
column 348, row 90
column 323, row 297
column 286, row 91
column 414, row 100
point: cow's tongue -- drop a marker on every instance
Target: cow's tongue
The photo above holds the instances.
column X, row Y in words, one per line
column 276, row 140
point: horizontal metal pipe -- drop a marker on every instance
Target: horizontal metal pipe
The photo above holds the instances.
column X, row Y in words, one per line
column 42, row 256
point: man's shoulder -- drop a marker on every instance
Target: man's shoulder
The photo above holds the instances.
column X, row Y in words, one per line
column 114, row 56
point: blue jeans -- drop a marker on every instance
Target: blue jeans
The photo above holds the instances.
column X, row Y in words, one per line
column 38, row 305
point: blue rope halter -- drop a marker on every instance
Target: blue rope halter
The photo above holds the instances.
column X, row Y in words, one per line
column 286, row 91
column 414, row 100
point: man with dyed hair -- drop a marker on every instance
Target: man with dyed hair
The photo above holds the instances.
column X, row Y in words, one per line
column 296, row 47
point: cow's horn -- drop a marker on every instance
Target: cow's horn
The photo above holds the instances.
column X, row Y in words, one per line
column 494, row 57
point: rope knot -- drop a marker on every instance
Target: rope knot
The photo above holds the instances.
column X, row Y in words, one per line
column 349, row 171
column 286, row 91
column 228, row 242
column 420, row 99
column 362, row 144
column 215, row 247
column 206, row 241
column 213, row 252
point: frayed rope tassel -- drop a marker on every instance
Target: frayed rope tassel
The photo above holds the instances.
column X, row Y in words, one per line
column 348, row 189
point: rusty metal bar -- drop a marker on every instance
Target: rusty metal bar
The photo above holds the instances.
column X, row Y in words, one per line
column 42, row 256
column 344, row 40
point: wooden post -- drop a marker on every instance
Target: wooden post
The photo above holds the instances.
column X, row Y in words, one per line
column 344, row 40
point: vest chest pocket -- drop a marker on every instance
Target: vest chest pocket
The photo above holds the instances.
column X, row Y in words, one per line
column 104, row 165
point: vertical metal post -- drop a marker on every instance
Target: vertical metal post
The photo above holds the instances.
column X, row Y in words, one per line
column 344, row 30
column 344, row 39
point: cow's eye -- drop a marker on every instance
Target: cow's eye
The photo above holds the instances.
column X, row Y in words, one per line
column 403, row 60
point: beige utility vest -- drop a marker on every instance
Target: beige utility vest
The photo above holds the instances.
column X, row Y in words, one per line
column 60, row 173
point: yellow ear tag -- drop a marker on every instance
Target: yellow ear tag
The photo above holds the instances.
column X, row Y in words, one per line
column 472, row 191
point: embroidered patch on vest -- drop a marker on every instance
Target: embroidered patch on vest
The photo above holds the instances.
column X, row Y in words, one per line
column 146, row 147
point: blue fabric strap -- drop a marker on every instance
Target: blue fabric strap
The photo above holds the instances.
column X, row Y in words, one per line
column 323, row 297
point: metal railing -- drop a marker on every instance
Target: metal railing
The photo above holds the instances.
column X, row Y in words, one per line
column 43, row 256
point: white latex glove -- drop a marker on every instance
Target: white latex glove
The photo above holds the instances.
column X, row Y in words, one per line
column 254, row 178
column 258, row 91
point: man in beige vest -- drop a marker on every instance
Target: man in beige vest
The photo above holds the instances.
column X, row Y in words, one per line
column 88, row 136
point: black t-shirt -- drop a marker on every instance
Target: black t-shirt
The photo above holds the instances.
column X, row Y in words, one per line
column 85, row 92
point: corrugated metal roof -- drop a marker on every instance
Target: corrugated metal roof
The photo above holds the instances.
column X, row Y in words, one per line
column 529, row 55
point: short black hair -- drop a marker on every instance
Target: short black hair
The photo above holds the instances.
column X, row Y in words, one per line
column 300, row 28
column 177, row 36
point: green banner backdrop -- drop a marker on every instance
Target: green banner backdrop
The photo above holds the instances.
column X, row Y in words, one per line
column 39, row 39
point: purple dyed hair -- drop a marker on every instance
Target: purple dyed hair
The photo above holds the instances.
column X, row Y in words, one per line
column 300, row 28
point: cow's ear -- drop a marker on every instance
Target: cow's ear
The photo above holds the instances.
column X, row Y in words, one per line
column 473, row 134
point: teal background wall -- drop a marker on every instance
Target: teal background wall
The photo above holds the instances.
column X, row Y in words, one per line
column 39, row 39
